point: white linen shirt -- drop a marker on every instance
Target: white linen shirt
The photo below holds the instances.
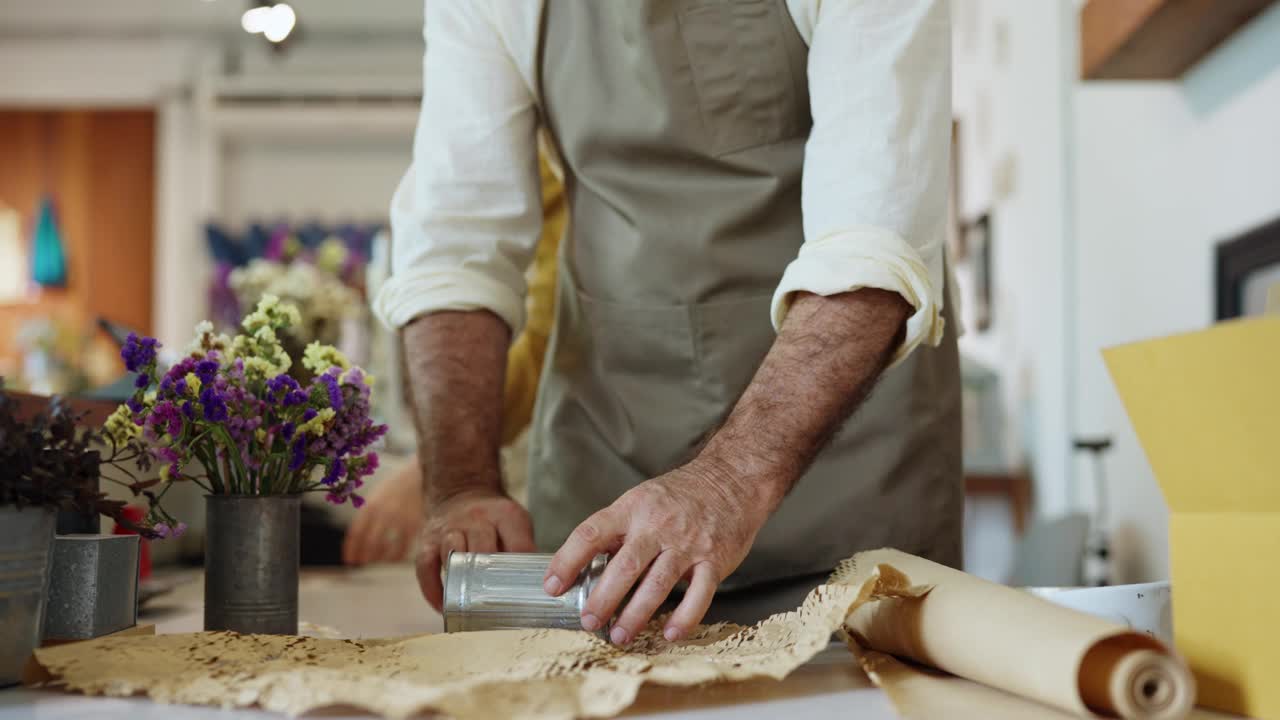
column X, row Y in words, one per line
column 467, row 214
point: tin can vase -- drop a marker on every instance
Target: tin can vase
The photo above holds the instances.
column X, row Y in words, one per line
column 251, row 563
column 26, row 551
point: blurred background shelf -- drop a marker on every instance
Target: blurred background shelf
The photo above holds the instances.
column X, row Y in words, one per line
column 1156, row 39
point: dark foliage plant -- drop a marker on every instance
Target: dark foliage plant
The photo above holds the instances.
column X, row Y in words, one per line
column 52, row 461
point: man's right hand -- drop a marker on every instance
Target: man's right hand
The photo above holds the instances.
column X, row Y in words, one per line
column 470, row 521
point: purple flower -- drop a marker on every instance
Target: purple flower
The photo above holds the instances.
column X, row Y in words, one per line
column 355, row 378
column 142, row 381
column 188, row 410
column 298, row 454
column 134, row 405
column 175, row 378
column 215, row 404
column 336, row 470
column 330, row 381
column 138, row 353
column 284, row 390
column 166, row 418
column 356, row 501
column 206, row 369
column 309, row 415
column 280, row 386
column 287, row 430
column 162, row 530
column 281, row 383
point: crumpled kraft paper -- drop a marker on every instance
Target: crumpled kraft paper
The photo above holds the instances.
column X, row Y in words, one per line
column 533, row 674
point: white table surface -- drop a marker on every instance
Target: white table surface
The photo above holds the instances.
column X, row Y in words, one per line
column 384, row 602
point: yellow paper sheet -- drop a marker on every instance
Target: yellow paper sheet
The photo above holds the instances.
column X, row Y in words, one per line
column 1206, row 407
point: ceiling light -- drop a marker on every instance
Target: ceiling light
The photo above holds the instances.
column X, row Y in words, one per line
column 274, row 22
column 280, row 22
column 254, row 20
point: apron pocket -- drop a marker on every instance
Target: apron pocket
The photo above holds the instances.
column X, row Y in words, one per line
column 740, row 71
column 731, row 338
column 639, row 383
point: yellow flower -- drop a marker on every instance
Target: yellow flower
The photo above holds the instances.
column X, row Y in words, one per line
column 120, row 427
column 331, row 255
column 164, row 473
column 259, row 345
column 292, row 245
column 256, row 367
column 317, row 358
column 193, row 385
column 260, row 434
column 271, row 313
column 315, row 425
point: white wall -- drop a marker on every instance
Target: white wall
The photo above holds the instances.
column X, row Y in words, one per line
column 1107, row 200
column 1012, row 59
column 332, row 180
column 93, row 72
column 1164, row 171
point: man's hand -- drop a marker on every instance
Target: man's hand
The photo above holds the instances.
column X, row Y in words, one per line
column 456, row 362
column 690, row 523
column 385, row 528
column 475, row 521
column 700, row 520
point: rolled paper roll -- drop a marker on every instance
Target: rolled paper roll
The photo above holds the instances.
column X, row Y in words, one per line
column 1011, row 640
column 1135, row 683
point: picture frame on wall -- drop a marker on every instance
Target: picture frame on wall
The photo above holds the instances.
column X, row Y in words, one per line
column 956, row 249
column 1247, row 270
column 977, row 242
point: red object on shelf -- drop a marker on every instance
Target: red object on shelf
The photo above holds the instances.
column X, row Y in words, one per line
column 135, row 514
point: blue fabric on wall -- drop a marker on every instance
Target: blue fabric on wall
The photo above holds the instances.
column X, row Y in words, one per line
column 48, row 257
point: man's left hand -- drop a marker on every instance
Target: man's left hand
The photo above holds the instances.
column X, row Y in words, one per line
column 691, row 523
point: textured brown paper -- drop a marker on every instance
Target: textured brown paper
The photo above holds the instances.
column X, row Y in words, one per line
column 924, row 694
column 1009, row 640
column 496, row 674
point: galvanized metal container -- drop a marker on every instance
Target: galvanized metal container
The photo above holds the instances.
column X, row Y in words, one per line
column 251, row 563
column 93, row 586
column 497, row 591
column 26, row 549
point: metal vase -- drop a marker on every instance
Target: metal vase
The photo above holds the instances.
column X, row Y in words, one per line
column 93, row 586
column 251, row 563
column 26, row 551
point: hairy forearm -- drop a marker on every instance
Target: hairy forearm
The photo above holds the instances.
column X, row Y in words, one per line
column 827, row 356
column 455, row 363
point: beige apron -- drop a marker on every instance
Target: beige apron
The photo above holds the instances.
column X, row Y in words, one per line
column 682, row 125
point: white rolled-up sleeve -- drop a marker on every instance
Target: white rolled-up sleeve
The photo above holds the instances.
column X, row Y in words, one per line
column 466, row 216
column 876, row 163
